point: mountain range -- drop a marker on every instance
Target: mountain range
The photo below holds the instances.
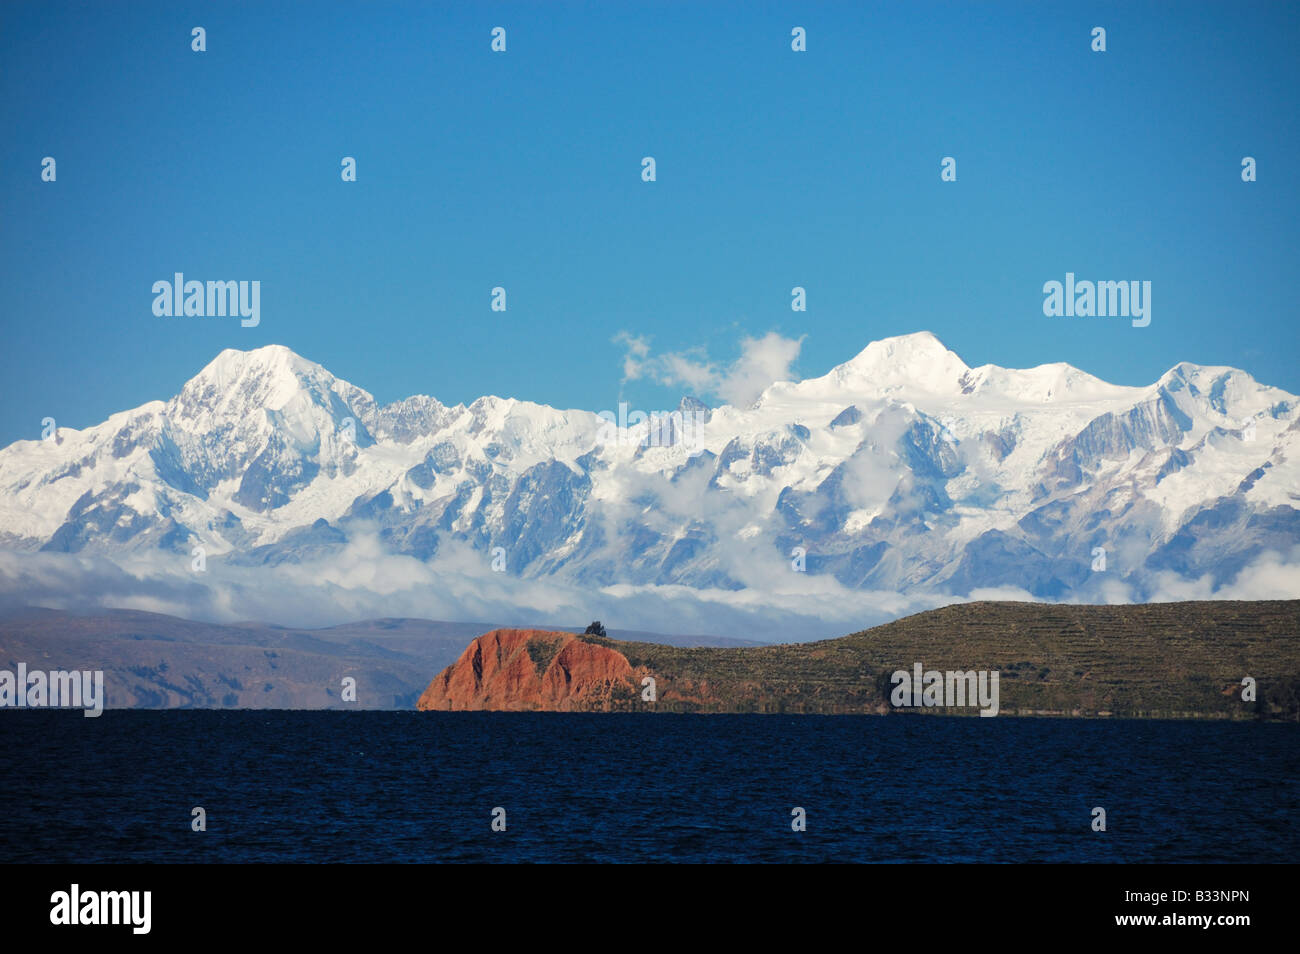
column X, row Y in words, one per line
column 901, row 471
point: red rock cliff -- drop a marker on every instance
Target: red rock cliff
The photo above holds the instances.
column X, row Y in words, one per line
column 523, row 669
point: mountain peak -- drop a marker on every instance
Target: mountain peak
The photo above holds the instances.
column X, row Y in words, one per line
column 905, row 352
column 268, row 377
column 272, row 359
column 918, row 360
column 240, row 388
column 918, row 343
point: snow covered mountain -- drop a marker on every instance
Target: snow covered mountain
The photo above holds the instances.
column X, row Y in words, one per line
column 900, row 470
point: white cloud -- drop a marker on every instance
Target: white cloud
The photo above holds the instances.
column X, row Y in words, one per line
column 364, row 581
column 1270, row 576
column 762, row 362
column 637, row 349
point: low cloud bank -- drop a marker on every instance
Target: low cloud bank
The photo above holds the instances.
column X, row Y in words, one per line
column 363, row 580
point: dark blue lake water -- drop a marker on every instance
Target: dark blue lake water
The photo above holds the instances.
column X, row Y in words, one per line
column 421, row 787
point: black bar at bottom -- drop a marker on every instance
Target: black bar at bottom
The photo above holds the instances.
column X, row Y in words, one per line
column 333, row 903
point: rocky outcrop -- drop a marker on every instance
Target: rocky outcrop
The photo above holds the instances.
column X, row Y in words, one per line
column 525, row 669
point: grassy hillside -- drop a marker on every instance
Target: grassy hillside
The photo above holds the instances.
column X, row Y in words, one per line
column 1169, row 660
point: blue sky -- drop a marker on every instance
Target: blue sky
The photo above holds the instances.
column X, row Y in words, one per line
column 522, row 169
